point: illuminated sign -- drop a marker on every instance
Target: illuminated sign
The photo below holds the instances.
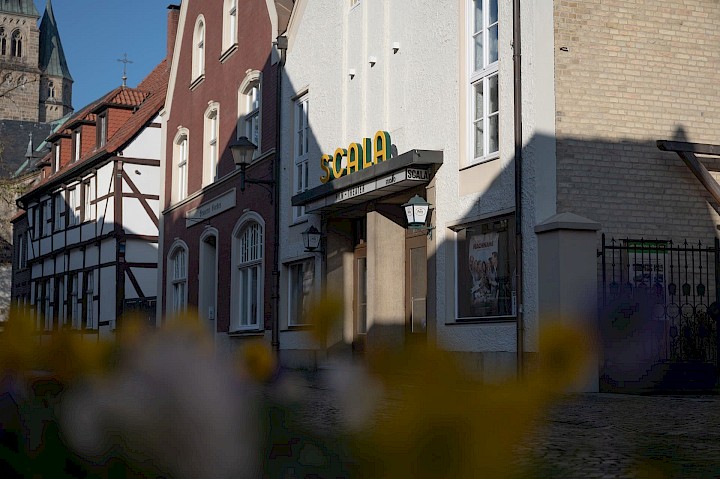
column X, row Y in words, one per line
column 358, row 156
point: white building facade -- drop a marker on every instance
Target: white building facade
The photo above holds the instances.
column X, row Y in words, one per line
column 414, row 98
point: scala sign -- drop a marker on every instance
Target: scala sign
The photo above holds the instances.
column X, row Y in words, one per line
column 358, row 157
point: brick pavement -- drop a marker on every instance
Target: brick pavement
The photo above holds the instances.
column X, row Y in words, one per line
column 598, row 435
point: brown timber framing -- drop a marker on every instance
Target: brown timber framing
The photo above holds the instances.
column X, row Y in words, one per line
column 687, row 152
column 141, row 197
column 120, row 237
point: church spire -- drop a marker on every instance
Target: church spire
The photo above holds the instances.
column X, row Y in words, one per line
column 52, row 56
column 23, row 7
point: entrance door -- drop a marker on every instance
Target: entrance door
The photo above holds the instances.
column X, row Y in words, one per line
column 208, row 281
column 416, row 286
column 360, row 318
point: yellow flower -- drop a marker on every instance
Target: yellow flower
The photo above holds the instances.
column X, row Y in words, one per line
column 258, row 360
column 324, row 315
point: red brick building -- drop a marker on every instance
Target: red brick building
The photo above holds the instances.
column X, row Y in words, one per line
column 218, row 223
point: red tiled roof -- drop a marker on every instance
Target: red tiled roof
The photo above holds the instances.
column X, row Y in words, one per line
column 149, row 97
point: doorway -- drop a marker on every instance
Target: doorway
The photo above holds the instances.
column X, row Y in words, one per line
column 416, row 285
column 208, row 281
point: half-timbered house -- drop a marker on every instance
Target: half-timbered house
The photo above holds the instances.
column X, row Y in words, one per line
column 93, row 216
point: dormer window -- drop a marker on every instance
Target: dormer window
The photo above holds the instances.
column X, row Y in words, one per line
column 56, row 157
column 76, row 145
column 101, row 129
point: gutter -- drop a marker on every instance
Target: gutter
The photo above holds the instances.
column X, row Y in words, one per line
column 517, row 119
column 281, row 43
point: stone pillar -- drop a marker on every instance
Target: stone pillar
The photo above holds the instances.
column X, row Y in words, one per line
column 567, row 281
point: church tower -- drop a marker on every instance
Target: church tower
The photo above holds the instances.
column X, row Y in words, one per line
column 35, row 82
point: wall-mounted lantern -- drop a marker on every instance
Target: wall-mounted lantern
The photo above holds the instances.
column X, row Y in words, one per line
column 311, row 239
column 416, row 211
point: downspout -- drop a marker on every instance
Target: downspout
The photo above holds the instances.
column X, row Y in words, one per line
column 517, row 119
column 281, row 44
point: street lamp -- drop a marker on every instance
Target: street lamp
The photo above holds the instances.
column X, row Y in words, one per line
column 311, row 239
column 416, row 211
column 243, row 150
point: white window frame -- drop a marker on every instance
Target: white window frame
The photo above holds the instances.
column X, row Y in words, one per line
column 88, row 194
column 77, row 145
column 248, row 245
column 212, row 143
column 483, row 76
column 230, row 25
column 102, row 128
column 177, row 278
column 73, row 206
column 181, row 145
column 198, row 50
column 56, row 157
column 304, row 285
column 301, row 145
column 59, row 211
column 88, row 319
column 250, row 110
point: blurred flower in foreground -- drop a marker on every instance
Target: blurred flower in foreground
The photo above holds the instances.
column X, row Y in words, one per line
column 258, row 360
column 324, row 315
column 170, row 404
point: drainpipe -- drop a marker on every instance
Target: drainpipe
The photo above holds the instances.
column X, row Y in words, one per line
column 281, row 44
column 517, row 100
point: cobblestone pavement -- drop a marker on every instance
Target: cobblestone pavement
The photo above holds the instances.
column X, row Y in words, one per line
column 603, row 435
column 614, row 435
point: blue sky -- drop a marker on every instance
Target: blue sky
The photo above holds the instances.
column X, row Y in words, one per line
column 96, row 33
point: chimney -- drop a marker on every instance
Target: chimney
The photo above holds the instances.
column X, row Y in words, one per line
column 173, row 19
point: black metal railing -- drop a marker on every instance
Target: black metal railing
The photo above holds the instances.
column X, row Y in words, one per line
column 667, row 287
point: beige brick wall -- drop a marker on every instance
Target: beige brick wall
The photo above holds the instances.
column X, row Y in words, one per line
column 628, row 73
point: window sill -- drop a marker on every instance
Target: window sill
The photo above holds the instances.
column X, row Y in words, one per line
column 299, row 327
column 482, row 160
column 492, row 319
column 197, row 81
column 228, row 52
column 245, row 333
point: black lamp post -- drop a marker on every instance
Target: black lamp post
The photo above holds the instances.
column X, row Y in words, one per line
column 243, row 150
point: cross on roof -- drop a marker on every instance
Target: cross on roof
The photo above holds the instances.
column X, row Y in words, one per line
column 124, row 60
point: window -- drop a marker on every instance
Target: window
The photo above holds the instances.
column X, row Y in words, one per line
column 485, row 125
column 22, row 251
column 77, row 145
column 300, row 289
column 73, row 207
column 88, row 209
column 59, row 216
column 211, row 143
column 102, row 129
column 72, row 286
column 88, row 302
column 252, row 115
column 61, row 297
column 486, row 269
column 247, row 279
column 302, row 133
column 198, row 59
column 3, row 42
column 51, row 90
column 230, row 24
column 47, row 303
column 181, row 161
column 47, row 217
column 178, row 280
column 56, row 157
column 16, row 44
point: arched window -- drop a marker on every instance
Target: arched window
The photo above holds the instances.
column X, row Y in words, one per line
column 249, row 104
column 248, row 273
column 177, row 279
column 51, row 90
column 198, row 63
column 180, row 159
column 230, row 24
column 16, row 44
column 211, row 153
column 3, row 42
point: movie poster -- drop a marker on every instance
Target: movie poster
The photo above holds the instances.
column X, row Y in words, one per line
column 483, row 265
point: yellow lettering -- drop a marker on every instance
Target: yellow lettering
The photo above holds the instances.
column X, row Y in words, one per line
column 382, row 146
column 355, row 155
column 367, row 159
column 339, row 153
column 324, row 160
